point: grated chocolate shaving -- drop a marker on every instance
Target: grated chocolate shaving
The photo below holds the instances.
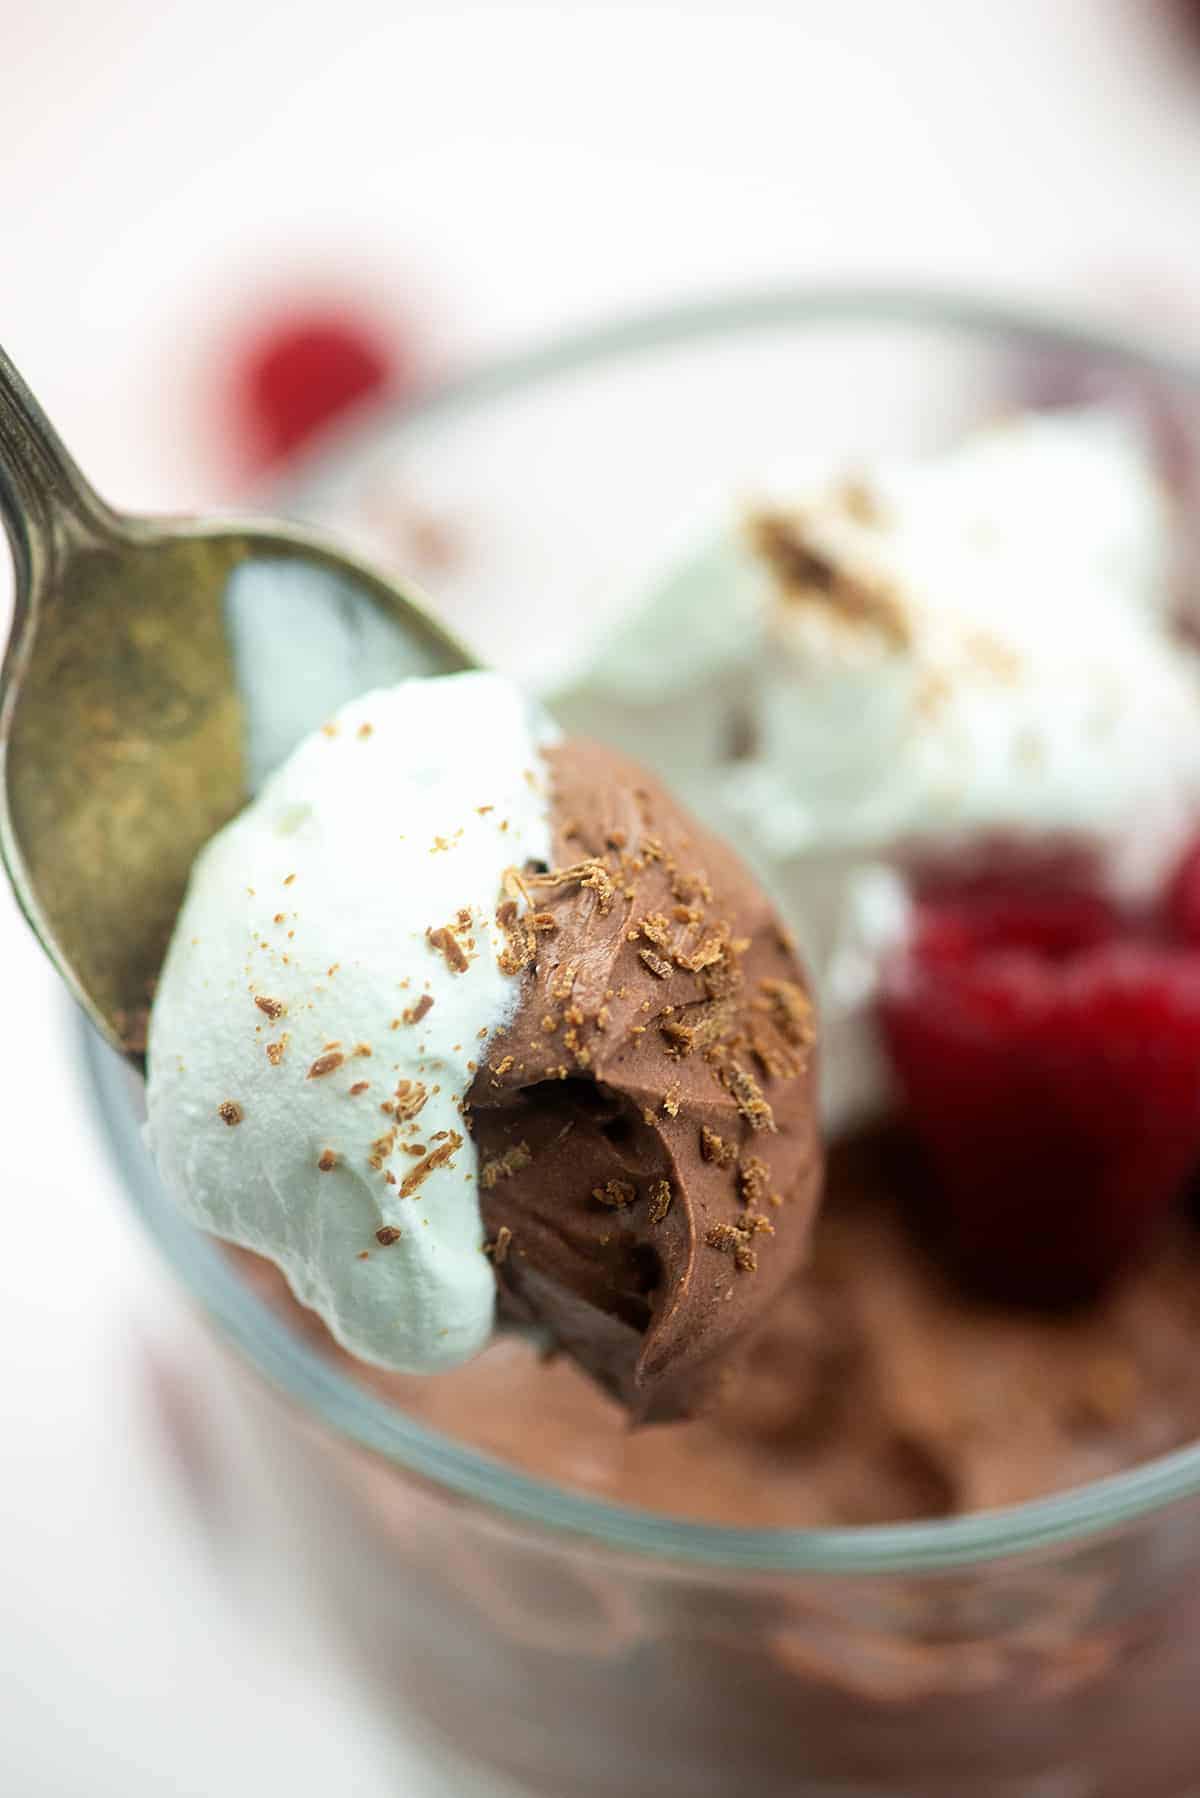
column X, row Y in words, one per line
column 498, row 1250
column 520, row 940
column 791, row 1012
column 754, row 1180
column 447, row 944
column 723, row 976
column 274, row 1008
column 700, row 1027
column 714, row 1148
column 388, row 1234
column 381, row 1148
column 615, row 1193
column 411, row 1096
column 590, row 875
column 747, row 1096
column 656, row 930
column 412, row 1014
column 326, row 1161
column 737, row 1240
column 660, row 1200
column 709, row 954
column 436, row 1158
column 729, row 1240
column 688, row 888
column 809, row 577
column 662, row 970
column 325, row 1064
column 564, row 981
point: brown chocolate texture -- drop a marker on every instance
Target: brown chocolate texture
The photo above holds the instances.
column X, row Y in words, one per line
column 649, row 1155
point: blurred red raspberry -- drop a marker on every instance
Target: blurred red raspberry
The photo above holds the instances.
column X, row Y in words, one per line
column 1181, row 906
column 1048, row 1057
column 302, row 369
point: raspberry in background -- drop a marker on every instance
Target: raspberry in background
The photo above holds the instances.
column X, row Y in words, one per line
column 1181, row 906
column 1047, row 1055
column 301, row 367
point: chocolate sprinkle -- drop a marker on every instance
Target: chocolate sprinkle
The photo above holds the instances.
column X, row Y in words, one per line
column 436, row 1158
column 660, row 1201
column 615, row 1193
column 444, row 940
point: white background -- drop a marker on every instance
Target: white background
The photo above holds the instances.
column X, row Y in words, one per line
column 496, row 171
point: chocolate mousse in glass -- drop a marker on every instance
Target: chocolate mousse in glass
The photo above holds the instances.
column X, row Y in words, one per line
column 936, row 1529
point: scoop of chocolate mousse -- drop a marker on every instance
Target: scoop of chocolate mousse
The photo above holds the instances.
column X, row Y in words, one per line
column 649, row 1153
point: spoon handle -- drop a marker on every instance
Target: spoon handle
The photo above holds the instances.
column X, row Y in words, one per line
column 42, row 493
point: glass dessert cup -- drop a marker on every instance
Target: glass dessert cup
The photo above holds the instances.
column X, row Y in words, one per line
column 528, row 1630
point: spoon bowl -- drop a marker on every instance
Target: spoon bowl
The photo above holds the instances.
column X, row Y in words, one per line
column 156, row 670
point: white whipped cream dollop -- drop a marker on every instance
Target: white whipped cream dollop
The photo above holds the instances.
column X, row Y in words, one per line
column 310, row 1046
column 937, row 654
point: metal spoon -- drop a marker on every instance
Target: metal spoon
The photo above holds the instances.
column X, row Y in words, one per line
column 126, row 738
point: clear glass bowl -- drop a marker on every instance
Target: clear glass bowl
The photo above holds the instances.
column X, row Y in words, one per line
column 570, row 1645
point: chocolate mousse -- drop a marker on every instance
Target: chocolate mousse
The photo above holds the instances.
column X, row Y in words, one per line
column 879, row 1390
column 650, row 1164
column 458, row 1009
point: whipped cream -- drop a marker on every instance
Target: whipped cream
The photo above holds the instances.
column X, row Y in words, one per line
column 930, row 655
column 310, row 1045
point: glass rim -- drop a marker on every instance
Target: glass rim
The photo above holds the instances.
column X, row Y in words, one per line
column 376, row 420
column 312, row 1381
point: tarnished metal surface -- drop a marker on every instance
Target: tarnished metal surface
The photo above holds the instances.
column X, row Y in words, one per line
column 122, row 745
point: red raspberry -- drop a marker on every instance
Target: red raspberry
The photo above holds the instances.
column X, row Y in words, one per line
column 1054, row 925
column 303, row 369
column 1051, row 1072
column 1181, row 903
